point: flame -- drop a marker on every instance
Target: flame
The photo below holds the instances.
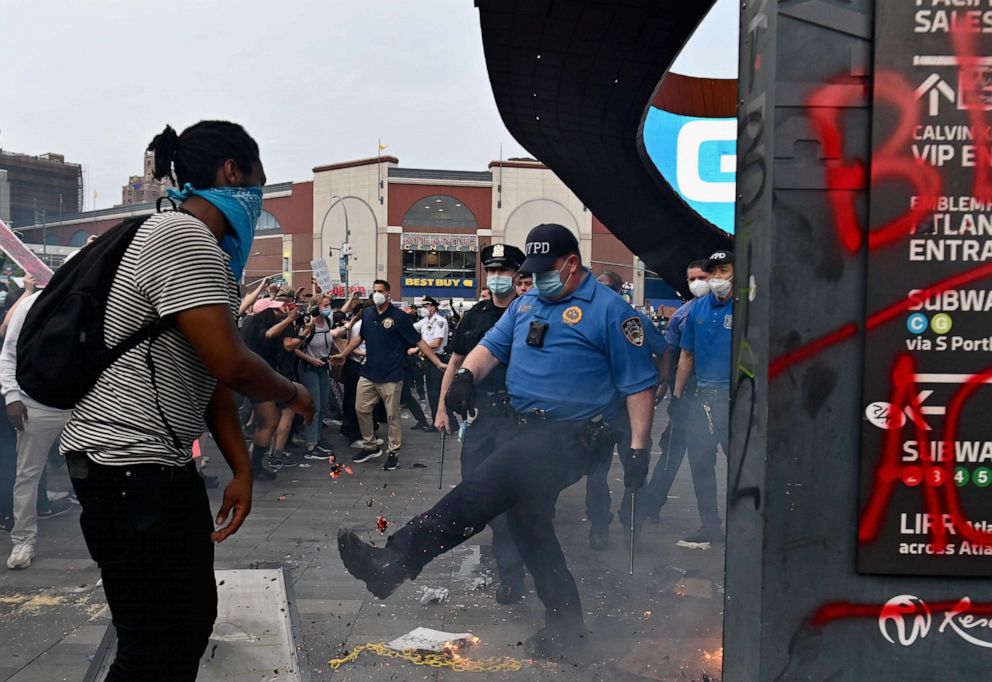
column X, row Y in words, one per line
column 647, row 614
column 381, row 523
column 715, row 656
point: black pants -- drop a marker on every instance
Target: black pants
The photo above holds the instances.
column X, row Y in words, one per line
column 523, row 478
column 148, row 527
column 434, row 378
column 481, row 438
column 406, row 397
column 598, row 498
column 673, row 445
column 709, row 418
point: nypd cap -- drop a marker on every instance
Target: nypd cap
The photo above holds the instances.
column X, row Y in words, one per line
column 719, row 258
column 502, row 256
column 546, row 244
column 430, row 300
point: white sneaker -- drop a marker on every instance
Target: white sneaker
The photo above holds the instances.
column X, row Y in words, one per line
column 359, row 444
column 21, row 556
column 55, row 497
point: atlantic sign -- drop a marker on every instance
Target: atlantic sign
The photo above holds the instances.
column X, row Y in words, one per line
column 698, row 158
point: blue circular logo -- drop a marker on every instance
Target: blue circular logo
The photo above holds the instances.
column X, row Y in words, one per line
column 917, row 323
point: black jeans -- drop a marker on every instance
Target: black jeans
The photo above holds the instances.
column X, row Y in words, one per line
column 522, row 477
column 148, row 527
column 481, row 438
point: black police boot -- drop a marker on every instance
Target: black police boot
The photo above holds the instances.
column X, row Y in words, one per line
column 599, row 537
column 380, row 568
column 553, row 644
column 510, row 591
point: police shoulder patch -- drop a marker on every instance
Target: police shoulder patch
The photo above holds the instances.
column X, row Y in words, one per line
column 633, row 330
column 387, row 323
column 572, row 315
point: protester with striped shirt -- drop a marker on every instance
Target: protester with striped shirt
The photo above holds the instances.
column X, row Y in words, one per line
column 145, row 514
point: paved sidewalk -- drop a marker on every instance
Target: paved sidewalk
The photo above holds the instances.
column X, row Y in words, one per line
column 664, row 623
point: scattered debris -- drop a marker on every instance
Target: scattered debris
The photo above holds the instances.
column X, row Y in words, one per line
column 433, row 595
column 482, row 582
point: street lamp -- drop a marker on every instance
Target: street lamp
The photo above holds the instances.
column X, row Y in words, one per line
column 345, row 246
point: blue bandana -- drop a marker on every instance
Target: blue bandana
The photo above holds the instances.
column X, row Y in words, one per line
column 242, row 207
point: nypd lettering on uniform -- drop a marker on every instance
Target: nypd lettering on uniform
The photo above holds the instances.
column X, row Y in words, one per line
column 590, row 355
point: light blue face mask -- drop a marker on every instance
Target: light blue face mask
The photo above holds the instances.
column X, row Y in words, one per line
column 242, row 207
column 500, row 285
column 549, row 283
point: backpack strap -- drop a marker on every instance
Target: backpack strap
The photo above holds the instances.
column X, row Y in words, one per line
column 147, row 332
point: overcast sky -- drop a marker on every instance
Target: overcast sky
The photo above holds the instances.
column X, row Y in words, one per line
column 313, row 81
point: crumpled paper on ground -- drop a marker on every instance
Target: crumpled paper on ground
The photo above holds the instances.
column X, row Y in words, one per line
column 426, row 639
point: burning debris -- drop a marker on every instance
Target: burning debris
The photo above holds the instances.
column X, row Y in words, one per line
column 436, row 649
column 338, row 469
column 381, row 523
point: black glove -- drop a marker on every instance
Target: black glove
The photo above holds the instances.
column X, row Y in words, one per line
column 677, row 408
column 460, row 397
column 635, row 468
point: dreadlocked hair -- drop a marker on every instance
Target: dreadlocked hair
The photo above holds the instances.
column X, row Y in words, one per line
column 201, row 151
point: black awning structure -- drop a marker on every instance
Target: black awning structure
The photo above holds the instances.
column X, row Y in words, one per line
column 573, row 80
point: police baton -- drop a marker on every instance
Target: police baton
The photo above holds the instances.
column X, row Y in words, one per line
column 668, row 448
column 440, row 473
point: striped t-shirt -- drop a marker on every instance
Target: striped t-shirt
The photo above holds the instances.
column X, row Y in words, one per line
column 148, row 407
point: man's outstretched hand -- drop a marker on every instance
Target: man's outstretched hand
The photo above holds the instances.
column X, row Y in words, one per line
column 236, row 506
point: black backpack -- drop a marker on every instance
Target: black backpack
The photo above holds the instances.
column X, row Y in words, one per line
column 62, row 349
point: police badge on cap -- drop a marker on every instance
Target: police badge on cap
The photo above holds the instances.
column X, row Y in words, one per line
column 502, row 256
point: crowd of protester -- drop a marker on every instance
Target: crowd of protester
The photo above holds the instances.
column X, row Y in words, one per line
column 299, row 332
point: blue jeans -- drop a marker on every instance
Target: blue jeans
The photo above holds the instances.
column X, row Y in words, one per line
column 318, row 385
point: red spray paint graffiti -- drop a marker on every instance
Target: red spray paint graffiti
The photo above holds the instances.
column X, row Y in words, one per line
column 844, row 179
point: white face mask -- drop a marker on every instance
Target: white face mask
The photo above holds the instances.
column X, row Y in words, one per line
column 699, row 287
column 721, row 287
column 423, row 312
column 379, row 298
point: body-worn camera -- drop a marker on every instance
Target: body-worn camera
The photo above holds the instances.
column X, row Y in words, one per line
column 536, row 333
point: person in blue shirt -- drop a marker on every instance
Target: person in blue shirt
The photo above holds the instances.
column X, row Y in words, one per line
column 572, row 349
column 705, row 343
column 598, row 498
column 676, row 434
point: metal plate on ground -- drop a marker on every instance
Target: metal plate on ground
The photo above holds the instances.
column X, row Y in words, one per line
column 255, row 635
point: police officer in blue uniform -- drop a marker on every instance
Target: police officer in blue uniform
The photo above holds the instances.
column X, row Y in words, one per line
column 492, row 420
column 571, row 348
column 598, row 499
column 676, row 435
column 706, row 341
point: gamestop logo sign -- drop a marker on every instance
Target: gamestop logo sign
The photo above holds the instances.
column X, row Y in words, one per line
column 906, row 619
column 698, row 158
